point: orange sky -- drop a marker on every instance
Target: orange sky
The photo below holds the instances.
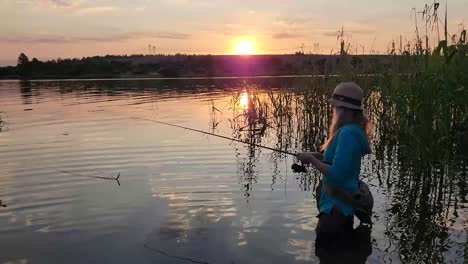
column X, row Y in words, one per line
column 75, row 28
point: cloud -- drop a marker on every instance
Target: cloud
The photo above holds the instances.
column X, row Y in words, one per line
column 285, row 35
column 98, row 10
column 79, row 7
column 140, row 8
column 290, row 27
column 366, row 21
column 60, row 39
column 187, row 2
column 171, row 35
column 234, row 29
column 363, row 31
column 292, row 22
column 335, row 33
column 35, row 38
column 331, row 33
column 62, row 3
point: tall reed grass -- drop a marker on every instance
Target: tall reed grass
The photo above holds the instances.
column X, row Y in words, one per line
column 419, row 106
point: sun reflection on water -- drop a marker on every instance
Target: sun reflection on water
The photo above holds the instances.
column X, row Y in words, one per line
column 244, row 100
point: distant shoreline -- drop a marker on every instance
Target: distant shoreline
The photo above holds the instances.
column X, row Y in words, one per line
column 179, row 78
column 161, row 78
column 192, row 66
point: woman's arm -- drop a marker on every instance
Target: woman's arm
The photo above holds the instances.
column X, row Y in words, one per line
column 342, row 159
column 321, row 166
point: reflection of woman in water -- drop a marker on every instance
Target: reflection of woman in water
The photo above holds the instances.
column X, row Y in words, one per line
column 340, row 165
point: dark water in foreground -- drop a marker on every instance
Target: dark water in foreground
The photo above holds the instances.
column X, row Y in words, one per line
column 186, row 197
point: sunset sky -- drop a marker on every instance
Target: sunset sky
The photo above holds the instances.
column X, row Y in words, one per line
column 49, row 29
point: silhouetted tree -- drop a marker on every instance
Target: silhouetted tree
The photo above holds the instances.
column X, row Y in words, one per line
column 24, row 69
column 23, row 59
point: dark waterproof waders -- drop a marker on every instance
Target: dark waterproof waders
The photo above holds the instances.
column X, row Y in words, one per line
column 335, row 222
column 336, row 240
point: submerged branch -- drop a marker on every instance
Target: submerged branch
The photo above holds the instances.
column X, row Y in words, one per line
column 171, row 256
column 96, row 177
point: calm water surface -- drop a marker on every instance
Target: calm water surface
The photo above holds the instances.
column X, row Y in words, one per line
column 184, row 197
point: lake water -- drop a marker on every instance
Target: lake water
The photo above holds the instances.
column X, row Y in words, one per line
column 185, row 197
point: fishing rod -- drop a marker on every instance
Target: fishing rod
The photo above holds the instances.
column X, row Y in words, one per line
column 220, row 136
column 295, row 167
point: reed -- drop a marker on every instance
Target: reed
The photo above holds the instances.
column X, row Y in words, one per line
column 418, row 104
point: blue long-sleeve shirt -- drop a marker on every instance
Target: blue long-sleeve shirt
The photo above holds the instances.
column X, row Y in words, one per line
column 344, row 153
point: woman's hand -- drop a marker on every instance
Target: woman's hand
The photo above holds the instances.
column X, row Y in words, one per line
column 308, row 157
column 314, row 158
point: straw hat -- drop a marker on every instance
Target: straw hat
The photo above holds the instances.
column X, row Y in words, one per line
column 349, row 95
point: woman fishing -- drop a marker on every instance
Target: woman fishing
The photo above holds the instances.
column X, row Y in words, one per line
column 347, row 143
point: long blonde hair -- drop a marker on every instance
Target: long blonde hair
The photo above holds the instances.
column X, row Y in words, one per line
column 344, row 116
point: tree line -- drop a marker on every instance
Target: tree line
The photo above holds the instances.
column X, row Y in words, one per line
column 183, row 65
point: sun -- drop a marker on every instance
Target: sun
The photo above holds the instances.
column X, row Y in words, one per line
column 245, row 47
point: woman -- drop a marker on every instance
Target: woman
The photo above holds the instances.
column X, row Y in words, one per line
column 347, row 143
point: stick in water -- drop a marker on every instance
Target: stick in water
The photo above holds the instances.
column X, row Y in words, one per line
column 96, row 177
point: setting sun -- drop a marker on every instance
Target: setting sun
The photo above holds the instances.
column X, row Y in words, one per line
column 245, row 47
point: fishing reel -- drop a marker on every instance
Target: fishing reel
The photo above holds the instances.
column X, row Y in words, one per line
column 298, row 168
